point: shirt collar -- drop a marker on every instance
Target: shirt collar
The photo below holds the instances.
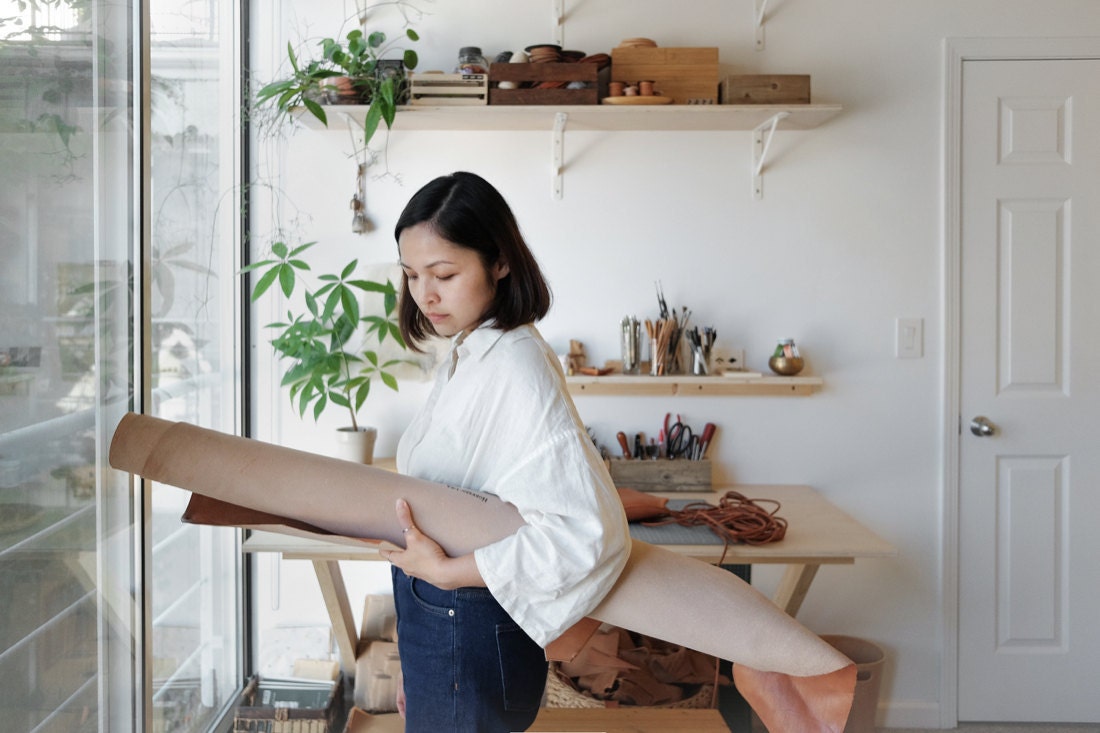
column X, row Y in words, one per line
column 477, row 342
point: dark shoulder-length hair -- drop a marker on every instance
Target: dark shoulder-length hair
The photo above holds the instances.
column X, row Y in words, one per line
column 467, row 210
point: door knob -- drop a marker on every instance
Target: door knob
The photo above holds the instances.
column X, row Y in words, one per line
column 981, row 427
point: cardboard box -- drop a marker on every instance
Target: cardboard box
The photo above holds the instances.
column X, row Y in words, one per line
column 360, row 721
column 377, row 677
column 379, row 618
column 271, row 705
column 687, row 75
column 766, row 89
column 661, row 474
column 529, row 77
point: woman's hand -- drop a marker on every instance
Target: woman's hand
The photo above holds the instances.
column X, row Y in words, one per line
column 423, row 557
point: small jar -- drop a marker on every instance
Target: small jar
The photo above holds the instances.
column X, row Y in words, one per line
column 470, row 61
column 785, row 360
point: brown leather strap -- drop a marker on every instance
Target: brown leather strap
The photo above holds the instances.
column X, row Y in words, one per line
column 736, row 519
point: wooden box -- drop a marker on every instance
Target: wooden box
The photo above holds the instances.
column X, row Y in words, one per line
column 766, row 89
column 529, row 77
column 686, row 75
column 434, row 89
column 661, row 474
column 289, row 706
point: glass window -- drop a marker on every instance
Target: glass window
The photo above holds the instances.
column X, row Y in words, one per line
column 94, row 576
column 194, row 578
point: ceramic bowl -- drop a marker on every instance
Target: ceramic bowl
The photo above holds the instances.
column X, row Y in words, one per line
column 786, row 366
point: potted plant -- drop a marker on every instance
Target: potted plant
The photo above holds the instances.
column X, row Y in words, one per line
column 352, row 70
column 332, row 347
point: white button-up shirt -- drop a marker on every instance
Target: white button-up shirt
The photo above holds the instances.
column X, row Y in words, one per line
column 504, row 423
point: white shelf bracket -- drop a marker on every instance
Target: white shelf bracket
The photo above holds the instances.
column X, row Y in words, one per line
column 557, row 155
column 559, row 22
column 758, row 12
column 762, row 140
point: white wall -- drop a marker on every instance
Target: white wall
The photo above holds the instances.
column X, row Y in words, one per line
column 847, row 238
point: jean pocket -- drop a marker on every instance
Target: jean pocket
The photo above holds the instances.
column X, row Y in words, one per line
column 431, row 599
column 523, row 668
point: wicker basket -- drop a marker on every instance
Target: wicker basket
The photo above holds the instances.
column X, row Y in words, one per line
column 560, row 693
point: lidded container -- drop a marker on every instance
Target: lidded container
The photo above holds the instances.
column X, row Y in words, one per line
column 785, row 360
column 470, row 61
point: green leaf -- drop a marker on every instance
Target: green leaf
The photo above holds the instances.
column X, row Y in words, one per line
column 411, row 59
column 356, row 46
column 389, row 104
column 264, row 283
column 371, row 120
column 300, row 249
column 286, row 279
column 361, row 395
column 376, row 39
column 411, row 34
column 316, row 109
column 349, row 303
column 279, row 249
column 371, row 286
column 331, row 301
column 348, row 269
column 256, row 265
column 290, row 55
column 389, row 380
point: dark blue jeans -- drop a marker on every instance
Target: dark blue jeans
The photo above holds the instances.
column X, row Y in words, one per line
column 468, row 667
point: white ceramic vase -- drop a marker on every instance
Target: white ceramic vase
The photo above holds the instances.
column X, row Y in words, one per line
column 355, row 445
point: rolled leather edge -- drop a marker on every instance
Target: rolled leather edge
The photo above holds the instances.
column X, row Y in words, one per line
column 659, row 593
column 792, row 704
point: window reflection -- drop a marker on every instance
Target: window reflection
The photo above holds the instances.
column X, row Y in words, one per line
column 69, row 362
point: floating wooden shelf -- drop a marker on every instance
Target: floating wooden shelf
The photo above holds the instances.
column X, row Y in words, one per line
column 700, row 118
column 762, row 120
column 688, row 385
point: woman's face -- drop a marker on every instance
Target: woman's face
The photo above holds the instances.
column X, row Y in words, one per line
column 449, row 283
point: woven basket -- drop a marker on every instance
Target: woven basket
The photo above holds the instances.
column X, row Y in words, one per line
column 560, row 693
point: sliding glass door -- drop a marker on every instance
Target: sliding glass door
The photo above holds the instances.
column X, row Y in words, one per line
column 118, row 241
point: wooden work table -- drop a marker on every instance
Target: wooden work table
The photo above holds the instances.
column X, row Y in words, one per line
column 818, row 533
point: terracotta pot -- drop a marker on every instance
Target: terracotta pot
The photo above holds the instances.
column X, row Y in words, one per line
column 355, row 445
column 342, row 90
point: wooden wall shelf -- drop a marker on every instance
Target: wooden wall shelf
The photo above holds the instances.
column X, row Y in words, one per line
column 699, row 118
column 688, row 386
column 762, row 120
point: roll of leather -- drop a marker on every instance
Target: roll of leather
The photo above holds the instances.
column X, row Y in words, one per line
column 789, row 675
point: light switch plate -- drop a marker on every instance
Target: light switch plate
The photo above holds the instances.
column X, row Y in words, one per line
column 910, row 338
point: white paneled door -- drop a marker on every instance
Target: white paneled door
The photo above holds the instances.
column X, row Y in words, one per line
column 1029, row 485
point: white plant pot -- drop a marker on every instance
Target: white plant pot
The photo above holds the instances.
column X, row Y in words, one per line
column 355, row 445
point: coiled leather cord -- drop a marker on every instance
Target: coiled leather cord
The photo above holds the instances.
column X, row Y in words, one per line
column 736, row 519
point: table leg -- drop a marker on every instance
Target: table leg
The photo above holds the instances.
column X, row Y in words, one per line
column 793, row 587
column 335, row 594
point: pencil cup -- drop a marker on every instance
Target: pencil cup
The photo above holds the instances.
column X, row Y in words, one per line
column 631, row 345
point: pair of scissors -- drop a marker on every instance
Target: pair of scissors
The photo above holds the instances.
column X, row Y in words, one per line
column 679, row 440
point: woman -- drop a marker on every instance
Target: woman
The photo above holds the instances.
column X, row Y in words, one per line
column 471, row 629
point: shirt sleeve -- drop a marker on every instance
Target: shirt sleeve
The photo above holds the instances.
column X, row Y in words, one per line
column 554, row 570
